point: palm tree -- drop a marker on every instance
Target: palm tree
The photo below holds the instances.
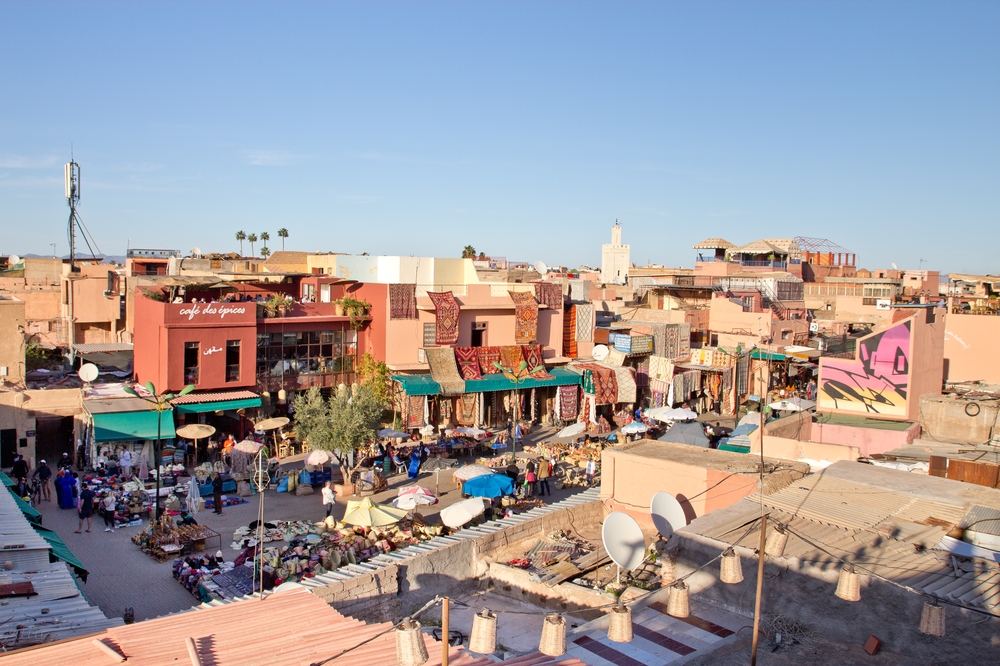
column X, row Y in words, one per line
column 264, row 252
column 252, row 238
column 264, row 237
column 282, row 234
column 468, row 252
column 241, row 236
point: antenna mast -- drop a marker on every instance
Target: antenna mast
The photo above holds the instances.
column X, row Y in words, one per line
column 72, row 181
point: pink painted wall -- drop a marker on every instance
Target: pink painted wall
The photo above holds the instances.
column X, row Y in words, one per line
column 868, row 441
column 970, row 348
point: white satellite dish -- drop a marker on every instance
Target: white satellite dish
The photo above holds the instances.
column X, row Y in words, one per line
column 895, row 267
column 667, row 513
column 88, row 372
column 13, row 260
column 196, row 251
column 600, row 352
column 623, row 540
column 541, row 267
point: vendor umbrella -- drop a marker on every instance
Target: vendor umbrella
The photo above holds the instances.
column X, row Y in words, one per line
column 389, row 433
column 677, row 414
column 248, row 446
column 751, row 417
column 436, row 464
column 494, row 485
column 427, row 430
column 635, row 427
column 792, row 405
column 572, row 430
column 462, row 512
column 472, row 432
column 686, row 433
column 411, row 497
column 367, row 513
column 272, row 424
column 471, row 471
column 318, row 457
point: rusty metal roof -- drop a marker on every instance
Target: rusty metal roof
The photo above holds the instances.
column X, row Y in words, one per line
column 193, row 398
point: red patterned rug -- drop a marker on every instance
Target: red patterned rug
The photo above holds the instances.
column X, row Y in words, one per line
column 525, row 316
column 533, row 357
column 605, row 383
column 549, row 294
column 446, row 317
column 468, row 362
column 487, row 357
column 415, row 411
column 402, row 301
column 511, row 357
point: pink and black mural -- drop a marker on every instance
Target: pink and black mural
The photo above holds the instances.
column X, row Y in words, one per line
column 874, row 383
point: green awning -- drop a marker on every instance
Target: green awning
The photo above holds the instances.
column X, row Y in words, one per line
column 217, row 406
column 767, row 356
column 60, row 551
column 30, row 512
column 424, row 385
column 124, row 426
column 7, row 481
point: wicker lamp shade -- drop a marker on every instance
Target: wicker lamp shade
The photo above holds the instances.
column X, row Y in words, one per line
column 932, row 620
column 483, row 639
column 849, row 584
column 666, row 571
column 776, row 540
column 410, row 647
column 553, row 642
column 678, row 601
column 732, row 570
column 620, row 624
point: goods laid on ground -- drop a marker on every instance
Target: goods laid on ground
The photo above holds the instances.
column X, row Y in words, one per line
column 132, row 502
column 164, row 539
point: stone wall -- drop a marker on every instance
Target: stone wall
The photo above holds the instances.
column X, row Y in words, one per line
column 952, row 418
column 371, row 597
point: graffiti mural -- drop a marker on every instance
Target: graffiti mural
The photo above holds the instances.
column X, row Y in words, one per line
column 876, row 381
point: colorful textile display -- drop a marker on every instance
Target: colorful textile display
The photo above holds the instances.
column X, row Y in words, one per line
column 511, row 357
column 402, row 301
column 661, row 368
column 525, row 316
column 585, row 322
column 626, row 385
column 415, row 411
column 615, row 357
column 549, row 294
column 487, row 357
column 569, row 332
column 642, row 372
column 468, row 362
column 533, row 357
column 445, row 317
column 569, row 402
column 467, row 409
column 604, row 381
column 444, row 370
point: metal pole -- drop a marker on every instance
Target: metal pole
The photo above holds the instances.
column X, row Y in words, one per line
column 445, row 604
column 760, row 585
column 156, row 454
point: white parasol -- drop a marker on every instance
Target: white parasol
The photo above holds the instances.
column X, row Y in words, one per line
column 572, row 430
column 792, row 405
column 248, row 446
column 318, row 458
column 462, row 512
column 411, row 497
column 677, row 414
column 367, row 513
column 471, row 471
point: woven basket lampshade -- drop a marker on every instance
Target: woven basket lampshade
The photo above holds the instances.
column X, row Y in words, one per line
column 553, row 642
column 666, row 571
column 620, row 624
column 849, row 584
column 483, row 639
column 731, row 570
column 678, row 602
column 776, row 540
column 410, row 647
column 932, row 620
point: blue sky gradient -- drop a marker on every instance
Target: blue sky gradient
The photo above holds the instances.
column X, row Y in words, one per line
column 522, row 128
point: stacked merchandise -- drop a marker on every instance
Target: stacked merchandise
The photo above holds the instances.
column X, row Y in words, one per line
column 167, row 539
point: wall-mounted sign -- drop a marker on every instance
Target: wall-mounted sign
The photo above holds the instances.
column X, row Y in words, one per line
column 883, row 304
column 208, row 310
column 29, row 433
column 212, row 350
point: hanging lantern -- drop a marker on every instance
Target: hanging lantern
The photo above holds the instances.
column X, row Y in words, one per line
column 849, row 585
column 553, row 642
column 483, row 639
column 732, row 570
column 282, row 396
column 932, row 620
column 410, row 647
column 620, row 624
column 678, row 602
column 666, row 570
column 776, row 540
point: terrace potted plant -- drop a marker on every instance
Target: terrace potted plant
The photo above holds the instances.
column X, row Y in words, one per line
column 355, row 309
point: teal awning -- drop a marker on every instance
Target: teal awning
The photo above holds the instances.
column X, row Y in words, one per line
column 30, row 512
column 60, row 551
column 6, row 480
column 124, row 426
column 424, row 385
column 217, row 406
column 767, row 356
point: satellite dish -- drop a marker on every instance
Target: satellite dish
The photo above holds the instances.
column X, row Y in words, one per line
column 667, row 513
column 895, row 267
column 88, row 372
column 13, row 260
column 623, row 540
column 541, row 267
column 196, row 251
column 600, row 352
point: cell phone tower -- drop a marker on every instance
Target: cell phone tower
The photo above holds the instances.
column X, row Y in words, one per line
column 71, row 174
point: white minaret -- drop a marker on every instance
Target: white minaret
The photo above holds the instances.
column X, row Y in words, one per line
column 615, row 258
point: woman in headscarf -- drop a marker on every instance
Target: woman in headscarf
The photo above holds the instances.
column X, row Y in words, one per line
column 414, row 465
column 64, row 490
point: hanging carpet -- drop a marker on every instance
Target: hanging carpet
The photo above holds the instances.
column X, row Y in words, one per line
column 605, row 383
column 487, row 357
column 525, row 316
column 626, row 385
column 585, row 322
column 549, row 294
column 569, row 332
column 533, row 357
column 614, row 357
column 402, row 301
column 468, row 362
column 511, row 357
column 445, row 317
column 444, row 370
column 467, row 409
column 415, row 411
column 569, row 402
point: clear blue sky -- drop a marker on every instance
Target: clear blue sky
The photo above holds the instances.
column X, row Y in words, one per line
column 523, row 129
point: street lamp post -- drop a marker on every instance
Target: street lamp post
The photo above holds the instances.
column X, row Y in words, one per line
column 517, row 376
column 160, row 404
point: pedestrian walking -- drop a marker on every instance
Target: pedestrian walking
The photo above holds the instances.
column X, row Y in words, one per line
column 531, row 468
column 107, row 510
column 217, row 492
column 328, row 501
column 86, row 511
column 64, row 490
column 19, row 470
column 125, row 462
column 44, row 475
column 544, row 472
column 591, row 471
column 529, row 483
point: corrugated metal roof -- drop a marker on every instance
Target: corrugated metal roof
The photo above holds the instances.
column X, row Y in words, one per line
column 192, row 398
column 982, row 519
